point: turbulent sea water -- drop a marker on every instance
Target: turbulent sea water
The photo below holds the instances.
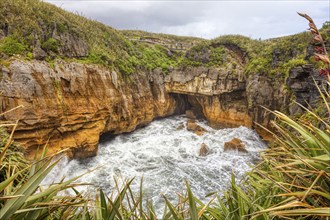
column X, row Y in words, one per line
column 165, row 157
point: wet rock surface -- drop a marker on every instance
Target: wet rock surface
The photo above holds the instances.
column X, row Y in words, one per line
column 235, row 144
column 203, row 150
column 194, row 127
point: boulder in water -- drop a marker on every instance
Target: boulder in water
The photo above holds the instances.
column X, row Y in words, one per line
column 192, row 126
column 203, row 150
column 180, row 127
column 235, row 144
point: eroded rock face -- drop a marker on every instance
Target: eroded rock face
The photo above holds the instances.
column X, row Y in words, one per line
column 264, row 94
column 218, row 93
column 205, row 81
column 70, row 105
column 302, row 82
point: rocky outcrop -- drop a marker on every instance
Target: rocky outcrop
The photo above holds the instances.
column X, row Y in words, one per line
column 235, row 144
column 302, row 82
column 218, row 93
column 263, row 94
column 205, row 81
column 70, row 104
column 226, row 98
column 180, row 127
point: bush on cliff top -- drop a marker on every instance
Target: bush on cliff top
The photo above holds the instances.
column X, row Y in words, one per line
column 258, row 55
column 36, row 21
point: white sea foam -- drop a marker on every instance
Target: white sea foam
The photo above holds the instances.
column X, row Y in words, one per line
column 165, row 157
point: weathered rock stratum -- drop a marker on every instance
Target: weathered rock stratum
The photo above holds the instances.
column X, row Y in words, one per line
column 70, row 105
column 216, row 93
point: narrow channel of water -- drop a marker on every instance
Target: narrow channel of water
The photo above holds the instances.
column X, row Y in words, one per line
column 166, row 157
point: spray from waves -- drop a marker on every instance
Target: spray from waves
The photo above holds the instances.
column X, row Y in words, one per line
column 165, row 157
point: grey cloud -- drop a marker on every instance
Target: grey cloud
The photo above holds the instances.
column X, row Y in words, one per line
column 206, row 19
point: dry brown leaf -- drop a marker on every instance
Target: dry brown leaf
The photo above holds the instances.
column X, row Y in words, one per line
column 313, row 26
column 313, row 31
column 322, row 57
column 306, row 16
column 319, row 49
column 318, row 38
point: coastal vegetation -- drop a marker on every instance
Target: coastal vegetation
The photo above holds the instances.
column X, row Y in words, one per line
column 64, row 35
column 291, row 181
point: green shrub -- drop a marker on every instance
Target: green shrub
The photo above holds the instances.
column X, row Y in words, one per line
column 98, row 58
column 11, row 46
column 291, row 64
column 217, row 55
column 258, row 65
column 50, row 45
column 29, row 55
column 125, row 67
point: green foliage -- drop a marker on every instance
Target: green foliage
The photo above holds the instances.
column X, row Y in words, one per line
column 50, row 45
column 13, row 158
column 286, row 67
column 97, row 58
column 11, row 46
column 21, row 197
column 106, row 46
column 166, row 38
column 113, row 49
column 154, row 57
column 258, row 65
column 144, row 56
column 325, row 31
column 29, row 55
column 125, row 67
column 256, row 55
column 217, row 56
column 207, row 55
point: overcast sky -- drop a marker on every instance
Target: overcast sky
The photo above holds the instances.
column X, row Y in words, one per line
column 207, row 19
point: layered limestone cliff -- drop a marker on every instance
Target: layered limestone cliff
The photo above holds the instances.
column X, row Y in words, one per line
column 227, row 98
column 218, row 94
column 70, row 105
